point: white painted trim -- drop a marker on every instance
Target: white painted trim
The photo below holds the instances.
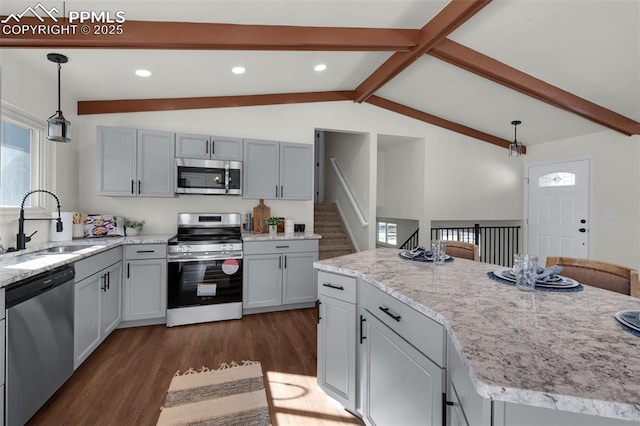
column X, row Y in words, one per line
column 347, row 191
column 525, row 197
column 346, row 226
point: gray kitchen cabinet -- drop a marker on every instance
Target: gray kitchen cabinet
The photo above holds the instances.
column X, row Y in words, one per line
column 97, row 301
column 277, row 170
column 208, row 147
column 135, row 163
column 145, row 282
column 279, row 274
column 401, row 384
column 337, row 338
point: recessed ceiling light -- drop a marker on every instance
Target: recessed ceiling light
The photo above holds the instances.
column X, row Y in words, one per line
column 238, row 70
column 143, row 73
column 320, row 67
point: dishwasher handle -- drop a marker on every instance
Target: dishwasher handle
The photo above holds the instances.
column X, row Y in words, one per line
column 31, row 287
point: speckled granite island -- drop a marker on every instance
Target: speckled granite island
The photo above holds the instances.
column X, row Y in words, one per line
column 552, row 353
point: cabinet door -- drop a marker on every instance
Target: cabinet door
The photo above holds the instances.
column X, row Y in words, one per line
column 86, row 320
column 223, row 148
column 260, row 169
column 116, row 161
column 401, row 385
column 192, row 146
column 299, row 283
column 156, row 164
column 337, row 350
column 262, row 280
column 296, row 171
column 111, row 300
column 145, row 289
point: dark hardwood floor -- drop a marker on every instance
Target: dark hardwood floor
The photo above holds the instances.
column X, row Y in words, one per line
column 124, row 381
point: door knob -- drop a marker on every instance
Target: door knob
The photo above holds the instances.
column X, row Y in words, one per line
column 582, row 230
column 583, row 221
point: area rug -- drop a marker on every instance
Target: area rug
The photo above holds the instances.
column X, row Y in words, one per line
column 232, row 395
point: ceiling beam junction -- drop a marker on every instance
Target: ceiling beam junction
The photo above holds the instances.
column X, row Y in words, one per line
column 454, row 14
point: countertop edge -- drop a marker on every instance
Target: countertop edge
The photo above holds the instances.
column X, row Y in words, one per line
column 573, row 404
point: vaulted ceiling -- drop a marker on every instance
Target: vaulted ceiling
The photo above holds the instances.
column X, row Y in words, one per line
column 564, row 68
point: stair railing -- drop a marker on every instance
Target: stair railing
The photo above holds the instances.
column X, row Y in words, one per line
column 412, row 241
column 347, row 191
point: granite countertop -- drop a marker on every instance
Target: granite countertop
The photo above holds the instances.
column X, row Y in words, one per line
column 246, row 236
column 548, row 349
column 18, row 265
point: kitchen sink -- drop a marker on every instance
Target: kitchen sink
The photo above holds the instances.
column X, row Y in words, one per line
column 62, row 249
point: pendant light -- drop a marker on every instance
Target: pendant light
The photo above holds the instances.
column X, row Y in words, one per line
column 515, row 147
column 57, row 125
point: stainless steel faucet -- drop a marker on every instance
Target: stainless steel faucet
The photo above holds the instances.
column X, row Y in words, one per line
column 21, row 238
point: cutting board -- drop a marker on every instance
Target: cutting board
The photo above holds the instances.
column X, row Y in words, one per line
column 260, row 213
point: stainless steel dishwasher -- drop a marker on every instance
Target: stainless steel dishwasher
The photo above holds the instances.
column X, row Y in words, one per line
column 39, row 341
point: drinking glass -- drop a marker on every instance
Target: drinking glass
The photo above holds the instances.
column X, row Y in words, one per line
column 524, row 268
column 438, row 250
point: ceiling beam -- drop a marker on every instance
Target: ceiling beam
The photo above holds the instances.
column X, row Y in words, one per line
column 213, row 36
column 440, row 122
column 446, row 21
column 171, row 104
column 489, row 68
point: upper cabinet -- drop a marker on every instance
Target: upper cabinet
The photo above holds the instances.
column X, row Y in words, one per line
column 208, row 147
column 277, row 170
column 135, row 163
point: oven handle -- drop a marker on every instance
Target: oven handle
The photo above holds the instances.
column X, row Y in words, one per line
column 226, row 178
column 180, row 259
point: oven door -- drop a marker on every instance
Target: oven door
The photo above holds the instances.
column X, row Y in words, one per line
column 204, row 282
column 208, row 177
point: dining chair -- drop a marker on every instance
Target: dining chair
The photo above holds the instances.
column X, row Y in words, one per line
column 462, row 250
column 608, row 276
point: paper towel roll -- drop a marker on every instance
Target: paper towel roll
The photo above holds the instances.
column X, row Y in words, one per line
column 67, row 227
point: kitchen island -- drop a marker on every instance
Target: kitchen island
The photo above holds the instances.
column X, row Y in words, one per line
column 552, row 351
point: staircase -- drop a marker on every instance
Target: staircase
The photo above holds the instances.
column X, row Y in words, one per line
column 328, row 223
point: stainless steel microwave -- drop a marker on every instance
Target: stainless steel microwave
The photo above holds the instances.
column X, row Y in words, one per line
column 208, row 177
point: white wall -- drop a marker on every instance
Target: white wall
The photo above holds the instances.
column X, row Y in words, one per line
column 352, row 152
column 36, row 94
column 616, row 189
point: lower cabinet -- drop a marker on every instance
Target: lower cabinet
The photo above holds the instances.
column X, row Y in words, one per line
column 278, row 274
column 145, row 282
column 337, row 374
column 97, row 301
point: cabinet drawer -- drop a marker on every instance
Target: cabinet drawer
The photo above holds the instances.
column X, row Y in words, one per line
column 145, row 251
column 337, row 286
column 90, row 265
column 425, row 334
column 280, row 246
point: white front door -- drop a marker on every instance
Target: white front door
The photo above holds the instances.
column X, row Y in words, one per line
column 558, row 210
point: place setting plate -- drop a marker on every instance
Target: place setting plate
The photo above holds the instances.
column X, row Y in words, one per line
column 554, row 281
column 629, row 319
column 406, row 254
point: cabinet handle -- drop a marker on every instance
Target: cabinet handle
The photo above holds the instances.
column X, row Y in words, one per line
column 337, row 287
column 362, row 320
column 132, row 186
column 280, row 262
column 108, row 280
column 206, row 146
column 285, row 262
column 281, row 191
column 103, row 278
column 276, row 191
column 145, row 251
column 128, row 270
column 318, row 317
column 138, row 187
column 386, row 311
column 282, row 246
column 213, row 146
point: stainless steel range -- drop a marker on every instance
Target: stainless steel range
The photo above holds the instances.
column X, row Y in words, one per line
column 205, row 269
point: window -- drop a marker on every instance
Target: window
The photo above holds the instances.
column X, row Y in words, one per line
column 557, row 179
column 21, row 163
column 387, row 233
